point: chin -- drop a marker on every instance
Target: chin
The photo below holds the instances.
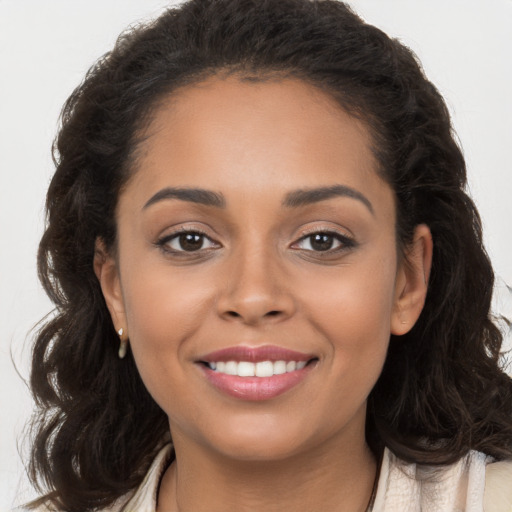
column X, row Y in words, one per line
column 260, row 450
column 258, row 439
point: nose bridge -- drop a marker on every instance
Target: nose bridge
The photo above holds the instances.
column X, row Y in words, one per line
column 254, row 288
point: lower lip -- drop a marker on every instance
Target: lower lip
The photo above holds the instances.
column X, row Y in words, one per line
column 256, row 388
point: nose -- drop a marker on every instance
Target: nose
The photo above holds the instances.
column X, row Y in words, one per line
column 255, row 289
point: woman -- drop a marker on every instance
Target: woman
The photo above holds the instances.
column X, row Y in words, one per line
column 270, row 283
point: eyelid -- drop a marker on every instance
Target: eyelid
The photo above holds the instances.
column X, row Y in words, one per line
column 163, row 241
column 346, row 241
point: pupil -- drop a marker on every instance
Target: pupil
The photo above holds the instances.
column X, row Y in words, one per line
column 191, row 241
column 321, row 242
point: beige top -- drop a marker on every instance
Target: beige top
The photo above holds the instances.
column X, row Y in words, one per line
column 473, row 484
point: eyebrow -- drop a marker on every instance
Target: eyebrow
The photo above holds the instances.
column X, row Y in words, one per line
column 306, row 197
column 192, row 195
column 295, row 199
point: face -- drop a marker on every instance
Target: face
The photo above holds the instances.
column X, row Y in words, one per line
column 257, row 274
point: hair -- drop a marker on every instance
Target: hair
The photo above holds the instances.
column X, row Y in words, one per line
column 442, row 391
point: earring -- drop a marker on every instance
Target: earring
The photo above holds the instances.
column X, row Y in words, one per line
column 123, row 345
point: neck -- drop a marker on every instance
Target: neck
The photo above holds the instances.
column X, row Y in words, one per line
column 333, row 479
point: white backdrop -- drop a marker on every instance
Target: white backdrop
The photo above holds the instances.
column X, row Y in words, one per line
column 45, row 49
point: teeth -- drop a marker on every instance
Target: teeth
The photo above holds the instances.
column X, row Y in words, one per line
column 245, row 369
column 264, row 369
column 279, row 367
column 261, row 369
column 231, row 368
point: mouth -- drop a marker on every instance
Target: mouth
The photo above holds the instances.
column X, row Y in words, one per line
column 261, row 369
column 256, row 373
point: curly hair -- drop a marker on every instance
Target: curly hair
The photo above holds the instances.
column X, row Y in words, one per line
column 442, row 391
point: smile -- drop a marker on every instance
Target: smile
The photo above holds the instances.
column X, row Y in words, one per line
column 260, row 373
column 261, row 369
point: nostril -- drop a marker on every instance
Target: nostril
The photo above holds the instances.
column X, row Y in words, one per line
column 253, row 315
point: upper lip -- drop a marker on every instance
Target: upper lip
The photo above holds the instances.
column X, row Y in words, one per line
column 255, row 354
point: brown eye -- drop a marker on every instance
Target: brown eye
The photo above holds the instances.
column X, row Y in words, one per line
column 191, row 241
column 324, row 241
column 187, row 241
column 321, row 242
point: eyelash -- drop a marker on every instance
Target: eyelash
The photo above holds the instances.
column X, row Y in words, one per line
column 345, row 242
column 163, row 243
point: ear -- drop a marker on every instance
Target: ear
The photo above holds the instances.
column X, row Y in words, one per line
column 412, row 281
column 107, row 272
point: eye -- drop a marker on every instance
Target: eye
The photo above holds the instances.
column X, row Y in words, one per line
column 323, row 241
column 187, row 241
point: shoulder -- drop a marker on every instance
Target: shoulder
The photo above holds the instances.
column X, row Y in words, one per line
column 498, row 487
column 473, row 484
column 143, row 499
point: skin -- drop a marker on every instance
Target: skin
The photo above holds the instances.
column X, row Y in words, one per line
column 257, row 280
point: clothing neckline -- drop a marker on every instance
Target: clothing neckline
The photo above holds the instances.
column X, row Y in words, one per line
column 150, row 486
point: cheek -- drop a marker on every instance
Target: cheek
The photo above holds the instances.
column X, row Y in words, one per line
column 164, row 311
column 356, row 300
column 353, row 313
column 164, row 306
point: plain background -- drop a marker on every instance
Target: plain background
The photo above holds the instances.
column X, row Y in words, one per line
column 46, row 48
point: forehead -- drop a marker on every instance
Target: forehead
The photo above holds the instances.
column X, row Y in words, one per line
column 230, row 134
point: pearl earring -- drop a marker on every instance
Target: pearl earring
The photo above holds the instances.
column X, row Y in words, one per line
column 123, row 345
